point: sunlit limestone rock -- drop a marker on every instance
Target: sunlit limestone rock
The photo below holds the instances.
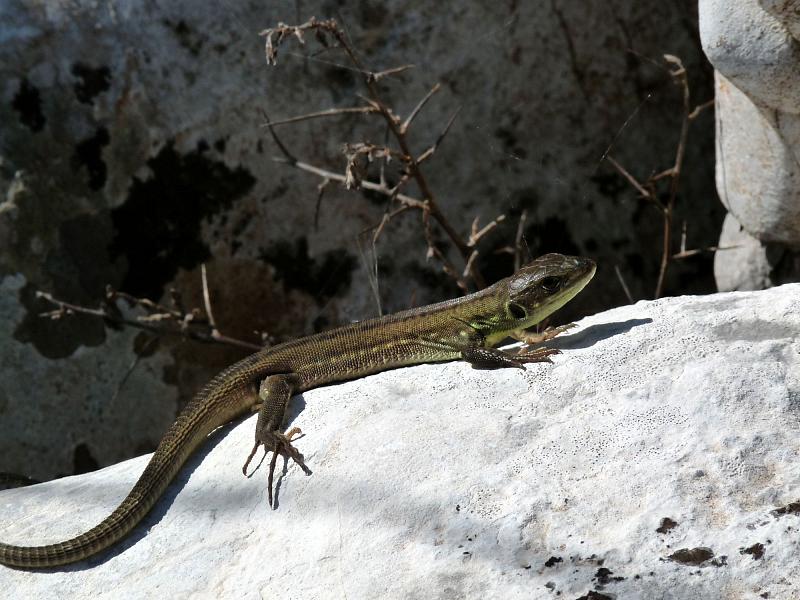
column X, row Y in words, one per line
column 657, row 457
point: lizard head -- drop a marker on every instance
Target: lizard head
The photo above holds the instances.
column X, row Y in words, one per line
column 543, row 286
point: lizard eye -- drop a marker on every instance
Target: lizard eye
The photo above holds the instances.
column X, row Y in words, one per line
column 551, row 284
column 517, row 311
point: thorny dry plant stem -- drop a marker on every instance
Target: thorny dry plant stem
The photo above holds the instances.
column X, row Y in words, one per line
column 159, row 320
column 428, row 205
column 647, row 190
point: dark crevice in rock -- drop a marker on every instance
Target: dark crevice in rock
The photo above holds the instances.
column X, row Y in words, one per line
column 191, row 40
column 28, row 103
column 666, row 525
column 89, row 154
column 158, row 228
column 793, row 508
column 91, row 82
column 595, row 595
column 553, row 561
column 604, row 577
column 756, row 551
column 322, row 278
column 78, row 272
column 691, row 556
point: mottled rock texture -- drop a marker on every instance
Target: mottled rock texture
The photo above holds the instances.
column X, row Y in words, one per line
column 132, row 152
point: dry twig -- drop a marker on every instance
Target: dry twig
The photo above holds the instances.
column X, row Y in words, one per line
column 648, row 190
column 623, row 284
column 159, row 320
column 331, row 112
column 330, row 34
column 518, row 239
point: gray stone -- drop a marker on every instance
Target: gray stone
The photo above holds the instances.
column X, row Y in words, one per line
column 742, row 264
column 745, row 263
column 758, row 176
column 787, row 12
column 658, row 457
column 754, row 47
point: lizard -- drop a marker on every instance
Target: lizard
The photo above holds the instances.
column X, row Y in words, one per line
column 465, row 328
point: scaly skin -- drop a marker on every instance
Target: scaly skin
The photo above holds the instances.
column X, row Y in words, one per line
column 465, row 328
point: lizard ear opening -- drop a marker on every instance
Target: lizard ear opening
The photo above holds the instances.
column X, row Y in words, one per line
column 517, row 311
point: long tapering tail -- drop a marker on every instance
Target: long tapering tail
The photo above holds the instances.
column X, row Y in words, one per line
column 229, row 395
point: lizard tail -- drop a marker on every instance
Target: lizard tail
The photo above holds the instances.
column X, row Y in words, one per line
column 226, row 397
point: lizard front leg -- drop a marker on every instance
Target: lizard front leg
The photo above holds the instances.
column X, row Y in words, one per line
column 275, row 392
column 494, row 358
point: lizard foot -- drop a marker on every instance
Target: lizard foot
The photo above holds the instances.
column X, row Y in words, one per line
column 538, row 355
column 495, row 358
column 279, row 444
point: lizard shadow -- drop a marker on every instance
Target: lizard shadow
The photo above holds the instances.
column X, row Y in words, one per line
column 589, row 336
column 165, row 501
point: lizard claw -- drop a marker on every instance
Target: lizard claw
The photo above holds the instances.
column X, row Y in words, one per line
column 526, row 355
column 279, row 444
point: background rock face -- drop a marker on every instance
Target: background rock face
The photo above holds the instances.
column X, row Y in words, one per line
column 132, row 152
column 754, row 46
column 659, row 456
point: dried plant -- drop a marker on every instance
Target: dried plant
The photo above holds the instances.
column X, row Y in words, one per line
column 649, row 189
column 359, row 155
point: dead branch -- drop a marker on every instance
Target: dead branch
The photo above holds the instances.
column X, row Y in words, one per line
column 388, row 216
column 700, row 108
column 679, row 76
column 367, row 185
column 468, row 266
column 429, row 152
column 684, row 253
column 355, row 171
column 325, row 29
column 387, row 72
column 518, row 239
column 320, row 193
column 207, row 300
column 696, row 251
column 433, row 251
column 151, row 343
column 645, row 193
column 476, row 234
column 160, row 320
column 647, row 190
column 331, row 112
column 407, row 123
column 623, row 284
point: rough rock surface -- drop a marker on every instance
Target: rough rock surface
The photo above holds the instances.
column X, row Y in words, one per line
column 659, row 457
column 755, row 48
column 132, row 151
column 747, row 263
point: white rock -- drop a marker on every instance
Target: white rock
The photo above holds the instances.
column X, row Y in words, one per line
column 757, row 175
column 743, row 264
column 753, row 48
column 757, row 62
column 447, row 482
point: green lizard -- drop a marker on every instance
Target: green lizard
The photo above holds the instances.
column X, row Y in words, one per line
column 466, row 328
